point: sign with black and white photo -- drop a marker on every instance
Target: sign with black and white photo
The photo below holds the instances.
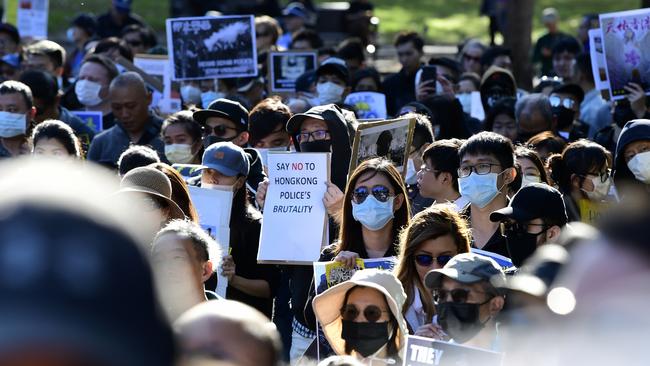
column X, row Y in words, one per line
column 286, row 67
column 422, row 351
column 212, row 47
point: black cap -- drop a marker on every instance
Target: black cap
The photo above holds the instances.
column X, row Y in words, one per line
column 572, row 89
column 534, row 201
column 11, row 31
column 327, row 112
column 86, row 22
column 305, row 81
column 224, row 108
column 334, row 65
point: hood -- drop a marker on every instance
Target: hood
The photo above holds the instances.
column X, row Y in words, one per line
column 497, row 76
column 635, row 130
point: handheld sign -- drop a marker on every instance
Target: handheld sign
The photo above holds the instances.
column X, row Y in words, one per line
column 92, row 119
column 422, row 351
column 158, row 66
column 626, row 44
column 212, row 47
column 389, row 139
column 31, row 18
column 504, row 262
column 295, row 219
column 286, row 67
column 214, row 206
column 598, row 68
column 328, row 274
column 369, row 105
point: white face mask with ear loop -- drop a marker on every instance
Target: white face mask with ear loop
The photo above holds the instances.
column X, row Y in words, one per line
column 639, row 165
column 601, row 189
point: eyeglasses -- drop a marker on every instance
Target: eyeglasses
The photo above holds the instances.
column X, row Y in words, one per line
column 315, row 135
column 513, row 227
column 426, row 260
column 602, row 175
column 557, row 101
column 480, row 169
column 424, row 168
column 372, row 313
column 472, row 58
column 381, row 193
column 458, row 295
column 219, row 130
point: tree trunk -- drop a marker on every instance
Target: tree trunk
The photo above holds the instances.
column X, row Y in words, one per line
column 645, row 3
column 517, row 37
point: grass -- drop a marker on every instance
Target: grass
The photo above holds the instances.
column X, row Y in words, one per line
column 443, row 21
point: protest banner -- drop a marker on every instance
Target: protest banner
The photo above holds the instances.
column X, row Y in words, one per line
column 389, row 139
column 212, row 47
column 626, row 44
column 476, row 106
column 158, row 66
column 295, row 219
column 286, row 67
column 421, row 351
column 598, row 67
column 328, row 274
column 368, row 105
column 29, row 16
column 504, row 262
column 92, row 119
column 214, row 207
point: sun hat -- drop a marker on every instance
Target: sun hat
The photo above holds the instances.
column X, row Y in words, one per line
column 154, row 182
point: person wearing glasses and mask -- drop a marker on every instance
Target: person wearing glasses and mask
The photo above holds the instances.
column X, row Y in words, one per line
column 487, row 168
column 362, row 317
column 434, row 236
column 632, row 163
column 565, row 103
column 468, row 296
column 583, row 175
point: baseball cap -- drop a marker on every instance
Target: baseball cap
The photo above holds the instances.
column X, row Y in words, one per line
column 245, row 84
column 295, row 9
column 549, row 15
column 226, row 158
column 534, row 201
column 334, row 65
column 326, row 112
column 467, row 268
column 571, row 89
column 224, row 108
column 11, row 31
column 11, row 59
column 305, row 81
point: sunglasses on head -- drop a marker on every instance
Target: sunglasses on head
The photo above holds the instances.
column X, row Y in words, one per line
column 219, row 130
column 381, row 193
column 426, row 260
column 372, row 313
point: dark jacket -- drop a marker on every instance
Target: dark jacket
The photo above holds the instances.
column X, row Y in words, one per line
column 399, row 89
column 83, row 132
column 635, row 130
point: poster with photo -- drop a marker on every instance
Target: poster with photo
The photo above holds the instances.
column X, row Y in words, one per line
column 32, row 17
column 368, row 105
column 212, row 47
column 328, row 274
column 598, row 67
column 626, row 44
column 286, row 67
column 389, row 139
column 158, row 66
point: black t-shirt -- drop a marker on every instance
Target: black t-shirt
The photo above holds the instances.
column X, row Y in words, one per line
column 496, row 243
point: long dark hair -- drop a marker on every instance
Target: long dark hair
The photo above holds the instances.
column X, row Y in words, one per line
column 350, row 237
column 180, row 192
column 579, row 158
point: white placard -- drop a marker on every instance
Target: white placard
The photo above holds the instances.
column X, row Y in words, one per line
column 477, row 106
column 295, row 219
column 214, row 207
column 369, row 105
column 31, row 18
column 159, row 67
column 598, row 59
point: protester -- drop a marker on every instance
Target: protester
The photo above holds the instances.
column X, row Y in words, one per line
column 422, row 138
column 543, row 51
column 534, row 116
column 438, row 176
column 295, row 16
column 266, row 123
column 594, row 110
column 305, row 40
column 183, row 256
column 632, row 161
column 139, row 38
column 583, row 175
column 532, row 167
column 229, row 333
column 621, row 111
column 92, row 88
column 180, row 191
column 118, row 17
column 496, row 84
column 470, row 56
column 130, row 101
column 487, row 168
column 17, row 114
column 114, row 48
column 535, row 216
column 352, row 51
column 448, row 120
column 366, row 80
column 362, row 317
column 332, row 81
column 47, row 56
column 467, row 83
column 225, row 166
column 501, row 119
column 134, row 157
column 497, row 56
column 432, row 238
column 267, row 33
column 82, row 30
column 9, row 40
column 182, row 136
column 546, row 144
column 400, row 87
column 55, row 138
column 565, row 104
column 564, row 55
column 251, row 91
column 468, row 294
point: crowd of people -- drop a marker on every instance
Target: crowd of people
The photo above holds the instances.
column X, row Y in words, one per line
column 555, row 181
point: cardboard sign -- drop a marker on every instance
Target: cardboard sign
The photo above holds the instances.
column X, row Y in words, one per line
column 504, row 262
column 328, row 274
column 422, row 351
column 31, row 18
column 92, row 119
column 212, row 47
column 214, row 208
column 368, row 105
column 389, row 139
column 158, row 66
column 286, row 67
column 295, row 219
column 598, row 66
column 626, row 44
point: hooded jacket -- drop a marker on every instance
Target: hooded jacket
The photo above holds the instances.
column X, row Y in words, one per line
column 635, row 130
column 497, row 79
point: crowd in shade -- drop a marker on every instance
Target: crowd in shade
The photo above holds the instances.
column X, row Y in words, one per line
column 521, row 231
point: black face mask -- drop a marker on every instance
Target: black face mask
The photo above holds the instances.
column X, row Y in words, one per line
column 623, row 113
column 521, row 245
column 211, row 139
column 365, row 338
column 564, row 117
column 316, row 146
column 459, row 320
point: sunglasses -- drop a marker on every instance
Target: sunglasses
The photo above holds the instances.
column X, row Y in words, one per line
column 219, row 130
column 381, row 193
column 372, row 313
column 515, row 227
column 426, row 260
column 557, row 101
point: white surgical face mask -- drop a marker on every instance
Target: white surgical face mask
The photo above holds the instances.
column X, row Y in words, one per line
column 88, row 92
column 329, row 92
column 219, row 187
column 601, row 189
column 179, row 153
column 639, row 165
column 528, row 179
column 12, row 124
column 191, row 94
column 480, row 190
column 411, row 173
column 372, row 214
column 465, row 100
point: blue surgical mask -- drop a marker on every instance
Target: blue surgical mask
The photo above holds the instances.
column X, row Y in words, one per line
column 372, row 214
column 480, row 190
